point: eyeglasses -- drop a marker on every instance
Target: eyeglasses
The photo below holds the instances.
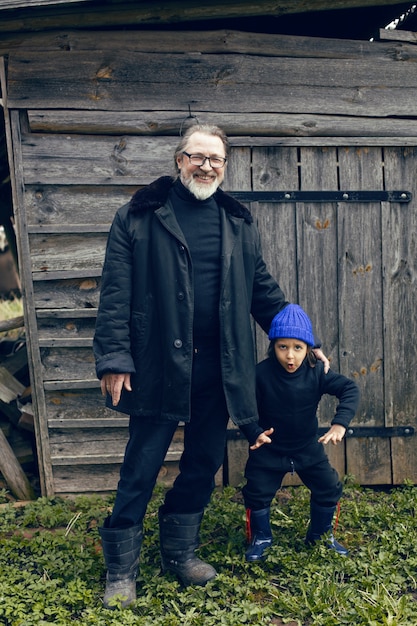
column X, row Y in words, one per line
column 216, row 162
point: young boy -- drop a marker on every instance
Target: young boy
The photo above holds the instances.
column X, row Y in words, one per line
column 290, row 385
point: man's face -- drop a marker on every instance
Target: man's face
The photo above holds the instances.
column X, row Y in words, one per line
column 201, row 180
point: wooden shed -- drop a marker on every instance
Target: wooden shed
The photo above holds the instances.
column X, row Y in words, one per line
column 324, row 152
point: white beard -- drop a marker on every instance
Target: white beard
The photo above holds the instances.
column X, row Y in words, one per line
column 201, row 192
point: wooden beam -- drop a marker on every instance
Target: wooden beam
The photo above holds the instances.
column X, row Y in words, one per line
column 10, row 467
column 222, row 41
column 42, row 16
column 264, row 125
column 12, row 324
column 209, row 82
column 397, row 35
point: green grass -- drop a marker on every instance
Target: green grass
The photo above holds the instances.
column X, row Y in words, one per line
column 52, row 569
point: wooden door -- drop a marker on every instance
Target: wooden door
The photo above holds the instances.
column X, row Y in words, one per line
column 352, row 266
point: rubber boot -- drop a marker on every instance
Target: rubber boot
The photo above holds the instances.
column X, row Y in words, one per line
column 179, row 538
column 321, row 523
column 121, row 549
column 258, row 532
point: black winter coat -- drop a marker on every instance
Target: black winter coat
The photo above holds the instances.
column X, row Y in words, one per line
column 145, row 317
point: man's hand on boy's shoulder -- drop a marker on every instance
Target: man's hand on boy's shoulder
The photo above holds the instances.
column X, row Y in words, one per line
column 320, row 356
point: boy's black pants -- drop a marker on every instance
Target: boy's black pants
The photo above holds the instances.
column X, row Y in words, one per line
column 267, row 466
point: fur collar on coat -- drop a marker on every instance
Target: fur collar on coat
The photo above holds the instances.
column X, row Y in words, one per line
column 154, row 196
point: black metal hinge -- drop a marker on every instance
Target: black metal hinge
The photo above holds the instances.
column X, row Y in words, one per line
column 377, row 431
column 352, row 431
column 322, row 196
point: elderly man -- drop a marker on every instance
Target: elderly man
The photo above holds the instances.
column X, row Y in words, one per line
column 183, row 273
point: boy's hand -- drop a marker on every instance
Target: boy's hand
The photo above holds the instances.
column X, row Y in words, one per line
column 263, row 438
column 335, row 434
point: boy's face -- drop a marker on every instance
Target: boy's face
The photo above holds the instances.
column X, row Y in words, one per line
column 290, row 353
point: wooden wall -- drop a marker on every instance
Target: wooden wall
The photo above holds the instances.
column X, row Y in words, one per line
column 93, row 116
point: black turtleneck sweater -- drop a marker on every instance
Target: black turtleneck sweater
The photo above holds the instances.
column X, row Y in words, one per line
column 199, row 220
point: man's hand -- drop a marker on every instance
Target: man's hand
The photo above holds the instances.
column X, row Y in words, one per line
column 335, row 435
column 263, row 438
column 321, row 357
column 113, row 385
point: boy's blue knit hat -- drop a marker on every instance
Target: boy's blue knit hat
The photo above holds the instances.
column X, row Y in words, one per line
column 292, row 323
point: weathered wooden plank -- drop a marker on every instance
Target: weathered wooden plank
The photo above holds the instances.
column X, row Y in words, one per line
column 89, row 422
column 99, row 479
column 72, row 313
column 275, row 168
column 109, row 448
column 325, row 141
column 10, row 387
column 317, row 248
column 360, row 282
column 11, row 324
column 59, row 229
column 387, row 34
column 66, row 332
column 81, row 293
column 83, row 406
column 12, row 471
column 212, row 42
column 360, row 310
column 81, row 160
column 67, row 252
column 95, row 160
column 68, row 342
column 317, row 272
column 67, row 274
column 67, row 364
column 88, row 160
column 172, row 82
column 369, row 460
column 76, row 383
column 41, row 430
column 76, row 458
column 47, row 206
column 399, row 227
column 259, row 124
column 104, row 478
column 82, row 442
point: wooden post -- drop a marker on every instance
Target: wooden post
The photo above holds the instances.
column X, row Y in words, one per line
column 12, row 471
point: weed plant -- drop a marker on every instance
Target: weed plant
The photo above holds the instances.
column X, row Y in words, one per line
column 52, row 568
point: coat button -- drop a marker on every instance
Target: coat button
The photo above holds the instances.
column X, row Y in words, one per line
column 180, row 295
column 178, row 343
column 181, row 249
